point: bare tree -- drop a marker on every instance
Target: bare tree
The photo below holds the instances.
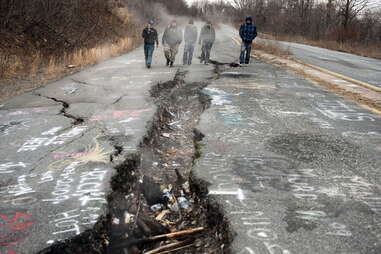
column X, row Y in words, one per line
column 349, row 10
column 244, row 4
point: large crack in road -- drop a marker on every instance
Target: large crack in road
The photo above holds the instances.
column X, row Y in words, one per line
column 154, row 192
column 65, row 106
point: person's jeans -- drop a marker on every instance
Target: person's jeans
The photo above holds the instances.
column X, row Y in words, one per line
column 245, row 52
column 206, row 48
column 148, row 52
column 188, row 53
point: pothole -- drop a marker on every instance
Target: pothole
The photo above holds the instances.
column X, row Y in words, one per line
column 156, row 206
column 309, row 147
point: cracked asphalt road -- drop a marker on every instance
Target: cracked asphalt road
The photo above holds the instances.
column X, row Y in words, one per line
column 59, row 145
column 295, row 167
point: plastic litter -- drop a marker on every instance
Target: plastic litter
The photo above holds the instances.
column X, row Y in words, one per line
column 128, row 218
column 116, row 221
column 174, row 207
column 157, row 207
column 184, row 203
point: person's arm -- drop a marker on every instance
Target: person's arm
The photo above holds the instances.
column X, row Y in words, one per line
column 186, row 34
column 213, row 34
column 164, row 37
column 156, row 38
column 201, row 36
column 180, row 36
column 241, row 31
column 255, row 32
column 144, row 33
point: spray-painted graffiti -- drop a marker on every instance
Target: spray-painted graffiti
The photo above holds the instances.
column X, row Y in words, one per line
column 231, row 115
column 70, row 222
column 362, row 135
column 93, row 154
column 219, row 97
column 253, row 223
column 338, row 110
column 14, row 125
column 34, row 143
column 88, row 188
column 10, row 167
column 14, row 228
column 119, row 114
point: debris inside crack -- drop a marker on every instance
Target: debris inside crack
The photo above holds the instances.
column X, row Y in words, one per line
column 156, row 206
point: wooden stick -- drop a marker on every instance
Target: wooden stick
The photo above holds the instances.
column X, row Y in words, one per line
column 180, row 248
column 178, row 233
column 164, row 247
column 157, row 237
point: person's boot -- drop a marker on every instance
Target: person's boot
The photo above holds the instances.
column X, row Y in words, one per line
column 168, row 62
column 148, row 66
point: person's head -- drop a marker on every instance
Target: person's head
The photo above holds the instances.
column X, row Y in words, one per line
column 150, row 23
column 191, row 22
column 249, row 20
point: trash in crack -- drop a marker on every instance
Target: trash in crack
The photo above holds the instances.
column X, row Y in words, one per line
column 156, row 206
column 166, row 135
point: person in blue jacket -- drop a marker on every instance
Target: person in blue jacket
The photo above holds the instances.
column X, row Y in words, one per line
column 247, row 32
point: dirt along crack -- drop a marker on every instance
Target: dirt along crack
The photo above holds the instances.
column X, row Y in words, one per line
column 156, row 205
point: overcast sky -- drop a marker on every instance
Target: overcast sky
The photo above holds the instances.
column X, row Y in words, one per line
column 372, row 3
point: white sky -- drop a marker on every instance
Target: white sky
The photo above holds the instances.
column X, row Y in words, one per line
column 372, row 3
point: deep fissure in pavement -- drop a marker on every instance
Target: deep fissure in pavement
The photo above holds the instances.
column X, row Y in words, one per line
column 154, row 191
column 65, row 106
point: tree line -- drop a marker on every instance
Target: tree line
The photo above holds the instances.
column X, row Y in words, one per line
column 339, row 20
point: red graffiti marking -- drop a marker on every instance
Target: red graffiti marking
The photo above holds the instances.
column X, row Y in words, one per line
column 14, row 227
column 119, row 114
column 17, row 226
column 11, row 242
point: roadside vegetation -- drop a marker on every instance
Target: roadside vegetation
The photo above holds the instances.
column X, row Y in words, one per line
column 43, row 40
column 352, row 26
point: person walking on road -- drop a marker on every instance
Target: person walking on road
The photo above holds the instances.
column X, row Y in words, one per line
column 150, row 38
column 247, row 32
column 190, row 38
column 207, row 38
column 172, row 38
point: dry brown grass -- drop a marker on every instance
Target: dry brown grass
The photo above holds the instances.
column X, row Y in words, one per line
column 272, row 48
column 373, row 51
column 23, row 74
column 84, row 57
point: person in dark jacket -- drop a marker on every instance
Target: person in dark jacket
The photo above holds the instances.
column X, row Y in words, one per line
column 207, row 38
column 247, row 32
column 190, row 38
column 172, row 38
column 150, row 38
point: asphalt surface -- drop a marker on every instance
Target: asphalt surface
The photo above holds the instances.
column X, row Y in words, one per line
column 59, row 145
column 364, row 69
column 295, row 168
